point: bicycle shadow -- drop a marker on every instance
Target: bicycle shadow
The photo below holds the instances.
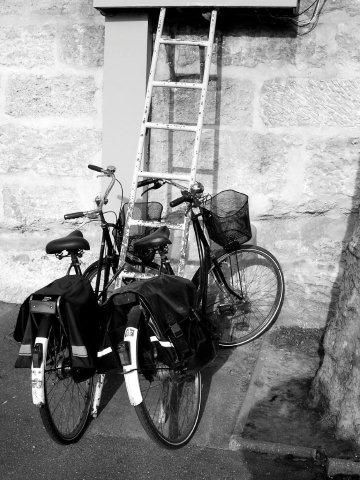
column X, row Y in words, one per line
column 114, row 379
column 225, row 383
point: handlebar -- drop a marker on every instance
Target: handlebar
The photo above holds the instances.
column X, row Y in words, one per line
column 70, row 216
column 179, row 201
column 96, row 168
column 90, row 214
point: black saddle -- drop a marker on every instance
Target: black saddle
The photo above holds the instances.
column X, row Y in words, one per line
column 155, row 240
column 72, row 242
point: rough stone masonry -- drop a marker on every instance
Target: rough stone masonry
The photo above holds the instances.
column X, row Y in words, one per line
column 282, row 126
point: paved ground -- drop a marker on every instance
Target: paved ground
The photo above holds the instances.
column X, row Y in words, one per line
column 115, row 445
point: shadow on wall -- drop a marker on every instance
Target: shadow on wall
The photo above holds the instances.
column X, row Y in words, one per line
column 247, row 22
column 339, row 304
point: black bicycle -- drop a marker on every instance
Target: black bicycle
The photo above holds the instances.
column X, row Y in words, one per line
column 244, row 285
column 239, row 294
column 233, row 298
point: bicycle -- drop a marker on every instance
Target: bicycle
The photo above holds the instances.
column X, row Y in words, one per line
column 224, row 288
column 236, row 266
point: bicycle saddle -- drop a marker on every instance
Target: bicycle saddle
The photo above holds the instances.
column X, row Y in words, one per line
column 73, row 241
column 154, row 240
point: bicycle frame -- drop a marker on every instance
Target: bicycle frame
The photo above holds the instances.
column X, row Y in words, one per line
column 206, row 258
column 107, row 261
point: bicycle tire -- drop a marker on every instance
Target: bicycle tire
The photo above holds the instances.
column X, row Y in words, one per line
column 91, row 272
column 68, row 391
column 170, row 408
column 254, row 273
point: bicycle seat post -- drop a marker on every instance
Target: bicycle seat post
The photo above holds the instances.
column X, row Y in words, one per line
column 75, row 262
column 165, row 265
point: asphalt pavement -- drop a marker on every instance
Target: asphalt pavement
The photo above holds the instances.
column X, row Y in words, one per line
column 115, row 446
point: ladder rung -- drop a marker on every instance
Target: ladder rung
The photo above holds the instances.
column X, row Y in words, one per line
column 166, row 41
column 172, row 126
column 143, row 223
column 165, row 176
column 178, row 85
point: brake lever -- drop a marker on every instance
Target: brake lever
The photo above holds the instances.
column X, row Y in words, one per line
column 156, row 185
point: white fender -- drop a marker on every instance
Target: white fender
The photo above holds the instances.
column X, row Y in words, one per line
column 130, row 371
column 37, row 375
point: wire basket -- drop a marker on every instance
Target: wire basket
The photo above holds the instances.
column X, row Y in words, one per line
column 226, row 218
column 147, row 211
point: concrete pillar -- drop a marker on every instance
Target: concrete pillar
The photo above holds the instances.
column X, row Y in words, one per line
column 126, row 59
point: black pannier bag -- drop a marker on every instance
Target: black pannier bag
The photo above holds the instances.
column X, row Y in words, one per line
column 80, row 311
column 170, row 300
column 114, row 314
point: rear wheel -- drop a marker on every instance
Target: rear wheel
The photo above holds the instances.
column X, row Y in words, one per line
column 250, row 301
column 171, row 398
column 91, row 274
column 68, row 390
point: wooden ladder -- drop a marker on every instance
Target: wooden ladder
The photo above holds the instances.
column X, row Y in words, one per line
column 196, row 129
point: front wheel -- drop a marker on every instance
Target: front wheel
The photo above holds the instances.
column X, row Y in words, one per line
column 169, row 398
column 247, row 300
column 68, row 390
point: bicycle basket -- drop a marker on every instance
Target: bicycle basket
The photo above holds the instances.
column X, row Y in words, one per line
column 226, row 217
column 148, row 211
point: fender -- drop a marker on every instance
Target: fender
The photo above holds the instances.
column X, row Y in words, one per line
column 130, row 370
column 38, row 363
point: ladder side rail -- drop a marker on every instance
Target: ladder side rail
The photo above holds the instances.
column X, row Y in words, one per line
column 200, row 122
column 140, row 149
column 204, row 90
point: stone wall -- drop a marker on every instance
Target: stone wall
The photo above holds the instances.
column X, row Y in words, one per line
column 50, row 128
column 282, row 126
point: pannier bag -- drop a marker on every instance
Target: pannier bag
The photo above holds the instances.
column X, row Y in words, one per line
column 80, row 312
column 170, row 299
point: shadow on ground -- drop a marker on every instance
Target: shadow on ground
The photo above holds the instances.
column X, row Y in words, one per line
column 285, row 416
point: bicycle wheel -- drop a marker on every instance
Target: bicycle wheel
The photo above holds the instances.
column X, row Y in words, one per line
column 171, row 399
column 91, row 272
column 253, row 301
column 68, row 391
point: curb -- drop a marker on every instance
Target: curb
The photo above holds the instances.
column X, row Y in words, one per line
column 239, row 443
column 333, row 466
column 336, row 466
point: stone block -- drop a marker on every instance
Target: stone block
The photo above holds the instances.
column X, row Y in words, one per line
column 40, row 96
column 331, row 178
column 82, row 45
column 12, row 7
column 25, row 265
column 174, row 150
column 310, row 102
column 347, row 41
column 58, row 151
column 63, row 7
column 310, row 250
column 257, row 165
column 37, row 204
column 351, row 7
column 251, row 48
column 230, row 103
column 27, row 46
